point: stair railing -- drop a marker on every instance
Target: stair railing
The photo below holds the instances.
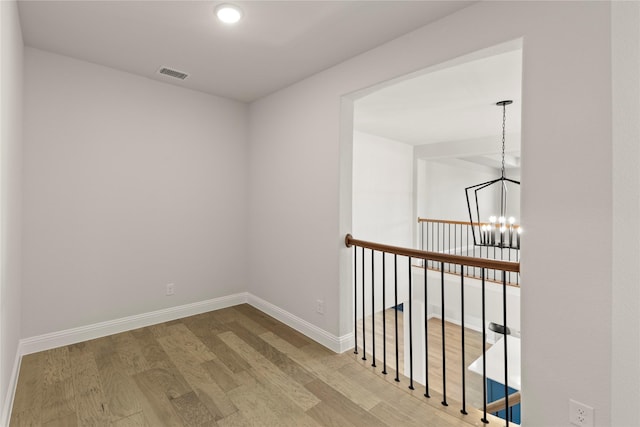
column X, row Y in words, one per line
column 456, row 238
column 482, row 264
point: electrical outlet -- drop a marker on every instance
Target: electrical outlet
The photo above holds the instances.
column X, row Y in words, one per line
column 319, row 306
column 170, row 289
column 580, row 414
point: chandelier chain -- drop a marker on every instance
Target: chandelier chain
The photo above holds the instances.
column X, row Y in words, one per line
column 504, row 120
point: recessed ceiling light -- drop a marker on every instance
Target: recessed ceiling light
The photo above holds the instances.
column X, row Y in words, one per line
column 228, row 13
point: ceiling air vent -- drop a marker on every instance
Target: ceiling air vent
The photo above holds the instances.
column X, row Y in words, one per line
column 173, row 73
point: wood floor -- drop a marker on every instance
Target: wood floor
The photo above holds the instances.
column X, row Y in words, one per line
column 231, row 367
column 453, row 340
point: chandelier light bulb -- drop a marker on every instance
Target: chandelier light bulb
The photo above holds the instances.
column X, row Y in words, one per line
column 492, row 219
column 519, row 230
column 512, row 220
column 501, row 220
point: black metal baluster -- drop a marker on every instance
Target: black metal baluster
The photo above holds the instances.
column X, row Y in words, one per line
column 395, row 272
column 494, row 257
column 426, row 338
column 517, row 260
column 444, row 353
column 422, row 242
column 432, row 234
column 373, row 309
column 484, row 353
column 474, row 254
column 466, row 248
column 455, row 247
column 410, row 331
column 384, row 313
column 461, row 253
column 486, row 248
column 506, row 360
column 438, row 238
column 464, row 392
column 364, row 331
column 509, row 257
column 355, row 298
column 473, row 251
column 461, row 249
column 504, row 273
column 449, row 246
column 473, row 271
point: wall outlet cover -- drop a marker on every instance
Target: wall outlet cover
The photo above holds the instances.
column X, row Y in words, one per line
column 580, row 414
column 170, row 289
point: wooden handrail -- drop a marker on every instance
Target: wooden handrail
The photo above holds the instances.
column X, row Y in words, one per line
column 435, row 256
column 500, row 404
column 446, row 221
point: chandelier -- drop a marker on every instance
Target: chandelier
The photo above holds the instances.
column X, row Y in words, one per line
column 499, row 230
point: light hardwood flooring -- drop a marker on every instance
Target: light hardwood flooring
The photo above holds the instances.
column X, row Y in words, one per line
column 231, row 367
column 453, row 359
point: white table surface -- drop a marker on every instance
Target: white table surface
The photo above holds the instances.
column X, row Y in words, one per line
column 495, row 362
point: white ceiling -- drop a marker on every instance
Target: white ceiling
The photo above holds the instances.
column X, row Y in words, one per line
column 276, row 44
column 450, row 104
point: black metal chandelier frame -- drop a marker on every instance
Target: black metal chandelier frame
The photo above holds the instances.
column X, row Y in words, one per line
column 508, row 235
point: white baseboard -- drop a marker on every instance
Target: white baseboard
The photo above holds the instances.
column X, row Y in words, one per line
column 345, row 342
column 332, row 342
column 110, row 327
column 5, row 417
column 475, row 324
column 470, row 322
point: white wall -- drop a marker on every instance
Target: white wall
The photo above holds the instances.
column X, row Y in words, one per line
column 297, row 223
column 129, row 184
column 382, row 190
column 441, row 188
column 11, row 64
column 382, row 211
column 625, row 378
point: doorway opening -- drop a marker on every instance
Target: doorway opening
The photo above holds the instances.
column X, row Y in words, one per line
column 416, row 143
